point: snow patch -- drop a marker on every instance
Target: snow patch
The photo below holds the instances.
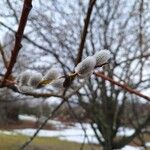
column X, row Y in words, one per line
column 7, row 132
column 122, row 131
column 73, row 133
column 132, row 148
column 28, row 118
column 147, row 144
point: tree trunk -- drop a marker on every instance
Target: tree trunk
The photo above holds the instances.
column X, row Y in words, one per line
column 107, row 147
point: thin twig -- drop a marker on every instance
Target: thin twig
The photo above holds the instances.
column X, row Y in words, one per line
column 3, row 57
column 83, row 128
column 41, row 126
column 18, row 37
column 123, row 86
column 146, row 56
column 85, row 30
column 13, row 10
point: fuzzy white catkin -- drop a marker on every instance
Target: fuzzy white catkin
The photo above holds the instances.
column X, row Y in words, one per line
column 24, row 78
column 51, row 74
column 86, row 75
column 102, row 57
column 25, row 89
column 34, row 79
column 86, row 67
column 18, row 80
column 58, row 83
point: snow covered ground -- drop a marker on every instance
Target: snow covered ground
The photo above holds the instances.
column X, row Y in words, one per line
column 132, row 148
column 71, row 133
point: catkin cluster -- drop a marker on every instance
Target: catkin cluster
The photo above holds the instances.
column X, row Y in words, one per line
column 29, row 80
column 85, row 68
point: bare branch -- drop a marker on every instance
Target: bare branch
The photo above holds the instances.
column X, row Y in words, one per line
column 84, row 32
column 82, row 126
column 19, row 34
column 124, row 86
column 42, row 125
column 14, row 12
column 126, row 140
column 3, row 57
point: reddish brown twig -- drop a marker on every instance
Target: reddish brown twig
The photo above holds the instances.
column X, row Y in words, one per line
column 124, row 86
column 84, row 32
column 18, row 37
column 9, row 83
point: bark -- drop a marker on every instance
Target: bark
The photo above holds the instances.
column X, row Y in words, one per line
column 108, row 144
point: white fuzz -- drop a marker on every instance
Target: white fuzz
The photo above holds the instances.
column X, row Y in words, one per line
column 24, row 89
column 58, row 83
column 102, row 57
column 18, row 80
column 24, row 78
column 83, row 76
column 86, row 67
column 51, row 74
column 35, row 79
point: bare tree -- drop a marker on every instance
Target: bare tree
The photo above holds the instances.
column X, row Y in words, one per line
column 61, row 32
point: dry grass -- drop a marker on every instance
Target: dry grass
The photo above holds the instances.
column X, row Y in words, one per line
column 9, row 142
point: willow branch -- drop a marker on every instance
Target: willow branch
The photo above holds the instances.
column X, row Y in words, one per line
column 84, row 32
column 123, row 86
column 18, row 37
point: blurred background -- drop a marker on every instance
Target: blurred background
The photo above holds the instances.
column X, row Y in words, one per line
column 99, row 115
